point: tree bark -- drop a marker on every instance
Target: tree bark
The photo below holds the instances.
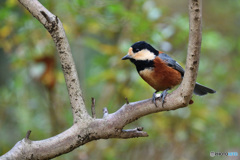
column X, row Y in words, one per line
column 85, row 128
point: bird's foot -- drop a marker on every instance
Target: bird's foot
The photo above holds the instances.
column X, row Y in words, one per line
column 163, row 95
column 154, row 98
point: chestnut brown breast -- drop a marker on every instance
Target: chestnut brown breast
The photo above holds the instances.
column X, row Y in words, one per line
column 161, row 77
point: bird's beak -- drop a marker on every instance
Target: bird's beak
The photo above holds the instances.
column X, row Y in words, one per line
column 126, row 57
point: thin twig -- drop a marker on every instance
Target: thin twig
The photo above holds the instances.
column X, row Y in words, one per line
column 140, row 128
column 126, row 100
column 28, row 134
column 136, row 132
column 93, row 108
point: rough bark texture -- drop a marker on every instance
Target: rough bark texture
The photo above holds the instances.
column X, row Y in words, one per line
column 85, row 128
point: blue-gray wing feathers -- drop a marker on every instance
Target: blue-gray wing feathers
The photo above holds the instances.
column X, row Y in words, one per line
column 172, row 63
column 199, row 89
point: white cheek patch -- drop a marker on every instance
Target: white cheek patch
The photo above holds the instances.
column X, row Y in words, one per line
column 144, row 55
column 130, row 52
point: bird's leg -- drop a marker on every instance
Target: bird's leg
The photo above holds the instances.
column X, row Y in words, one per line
column 154, row 98
column 163, row 95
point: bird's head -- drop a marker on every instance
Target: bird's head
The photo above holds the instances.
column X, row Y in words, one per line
column 141, row 51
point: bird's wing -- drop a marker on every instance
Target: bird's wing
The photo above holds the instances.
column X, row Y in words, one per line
column 171, row 63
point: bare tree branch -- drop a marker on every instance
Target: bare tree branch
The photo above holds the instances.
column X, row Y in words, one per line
column 194, row 48
column 131, row 133
column 55, row 28
column 85, row 128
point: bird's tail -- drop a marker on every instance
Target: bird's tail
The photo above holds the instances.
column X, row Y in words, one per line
column 201, row 90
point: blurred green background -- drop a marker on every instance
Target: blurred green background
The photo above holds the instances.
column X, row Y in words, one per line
column 33, row 93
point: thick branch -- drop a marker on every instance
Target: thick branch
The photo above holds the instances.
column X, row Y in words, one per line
column 55, row 28
column 194, row 48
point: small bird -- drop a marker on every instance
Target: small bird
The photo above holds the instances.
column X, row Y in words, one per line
column 159, row 70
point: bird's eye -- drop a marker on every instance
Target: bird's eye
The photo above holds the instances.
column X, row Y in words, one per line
column 135, row 50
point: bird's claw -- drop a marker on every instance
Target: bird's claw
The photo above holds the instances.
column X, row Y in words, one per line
column 162, row 96
column 154, row 98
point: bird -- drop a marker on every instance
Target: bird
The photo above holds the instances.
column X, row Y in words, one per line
column 159, row 70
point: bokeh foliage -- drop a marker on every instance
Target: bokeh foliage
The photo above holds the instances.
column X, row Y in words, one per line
column 33, row 93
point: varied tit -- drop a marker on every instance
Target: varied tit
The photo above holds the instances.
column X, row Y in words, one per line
column 159, row 70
